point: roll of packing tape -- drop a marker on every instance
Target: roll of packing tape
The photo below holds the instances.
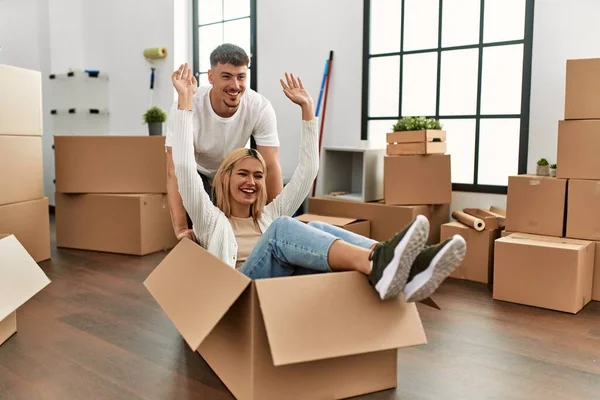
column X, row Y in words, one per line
column 155, row 52
column 469, row 220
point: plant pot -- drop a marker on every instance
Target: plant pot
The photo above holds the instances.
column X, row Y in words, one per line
column 543, row 170
column 155, row 128
column 553, row 172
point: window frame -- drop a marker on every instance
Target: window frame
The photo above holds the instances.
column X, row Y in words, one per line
column 527, row 43
column 253, row 43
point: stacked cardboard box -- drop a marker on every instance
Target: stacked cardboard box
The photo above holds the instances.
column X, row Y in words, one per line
column 24, row 210
column 558, row 218
column 111, row 194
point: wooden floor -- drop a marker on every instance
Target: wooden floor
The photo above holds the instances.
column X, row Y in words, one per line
column 95, row 333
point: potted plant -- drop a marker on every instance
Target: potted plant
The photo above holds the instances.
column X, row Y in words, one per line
column 543, row 168
column 416, row 124
column 553, row 170
column 154, row 117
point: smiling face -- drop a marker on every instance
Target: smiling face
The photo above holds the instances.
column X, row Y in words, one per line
column 247, row 181
column 229, row 85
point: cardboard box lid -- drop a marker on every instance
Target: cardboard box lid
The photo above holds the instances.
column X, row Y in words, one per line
column 545, row 241
column 181, row 285
column 313, row 317
column 20, row 276
column 336, row 221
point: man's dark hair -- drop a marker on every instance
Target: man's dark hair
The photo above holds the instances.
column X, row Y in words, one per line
column 228, row 53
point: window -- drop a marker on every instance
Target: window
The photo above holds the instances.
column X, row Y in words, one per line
column 466, row 62
column 223, row 21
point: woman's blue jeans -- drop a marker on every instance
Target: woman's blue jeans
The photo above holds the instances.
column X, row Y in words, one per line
column 290, row 247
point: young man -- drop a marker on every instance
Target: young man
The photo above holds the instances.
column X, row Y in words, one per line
column 226, row 114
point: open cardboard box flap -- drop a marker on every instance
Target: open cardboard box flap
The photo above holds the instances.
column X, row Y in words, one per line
column 307, row 317
column 194, row 290
column 313, row 317
column 544, row 241
column 20, row 276
column 335, row 221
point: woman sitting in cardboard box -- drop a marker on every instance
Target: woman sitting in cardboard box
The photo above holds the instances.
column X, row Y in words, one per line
column 263, row 241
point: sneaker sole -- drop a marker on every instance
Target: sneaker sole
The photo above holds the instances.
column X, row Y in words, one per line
column 395, row 274
column 442, row 265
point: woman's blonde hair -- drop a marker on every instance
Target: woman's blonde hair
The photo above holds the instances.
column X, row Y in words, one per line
column 223, row 176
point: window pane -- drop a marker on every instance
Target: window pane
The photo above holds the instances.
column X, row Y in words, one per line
column 203, row 80
column 386, row 17
column 384, row 81
column 503, row 20
column 209, row 37
column 238, row 33
column 460, row 22
column 209, row 11
column 419, row 84
column 421, row 24
column 501, row 82
column 236, row 8
column 498, row 150
column 377, row 131
column 458, row 91
column 460, row 144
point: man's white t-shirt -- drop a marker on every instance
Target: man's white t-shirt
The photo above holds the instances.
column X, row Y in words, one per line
column 215, row 137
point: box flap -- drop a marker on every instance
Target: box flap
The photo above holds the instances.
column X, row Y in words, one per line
column 20, row 276
column 336, row 221
column 545, row 241
column 195, row 289
column 314, row 317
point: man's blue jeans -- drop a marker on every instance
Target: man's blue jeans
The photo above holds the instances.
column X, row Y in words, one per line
column 290, row 247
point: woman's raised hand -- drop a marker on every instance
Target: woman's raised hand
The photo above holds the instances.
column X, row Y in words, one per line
column 184, row 81
column 294, row 90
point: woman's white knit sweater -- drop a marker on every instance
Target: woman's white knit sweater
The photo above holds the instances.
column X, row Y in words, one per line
column 211, row 226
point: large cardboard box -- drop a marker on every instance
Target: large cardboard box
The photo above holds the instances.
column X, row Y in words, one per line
column 417, row 179
column 110, row 164
column 583, row 211
column 478, row 264
column 20, row 279
column 581, row 89
column 596, row 284
column 21, row 169
column 578, row 149
column 29, row 221
column 385, row 220
column 536, row 204
column 355, row 225
column 136, row 224
column 543, row 271
column 324, row 336
column 20, row 101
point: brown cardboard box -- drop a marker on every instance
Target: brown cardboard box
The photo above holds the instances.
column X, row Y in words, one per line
column 135, row 224
column 385, row 220
column 20, row 101
column 110, row 164
column 355, row 225
column 536, row 204
column 578, row 149
column 479, row 262
column 21, row 169
column 596, row 284
column 29, row 221
column 409, row 180
column 581, row 89
column 320, row 336
column 21, row 279
column 583, row 211
column 542, row 271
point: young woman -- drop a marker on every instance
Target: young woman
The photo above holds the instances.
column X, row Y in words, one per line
column 262, row 240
